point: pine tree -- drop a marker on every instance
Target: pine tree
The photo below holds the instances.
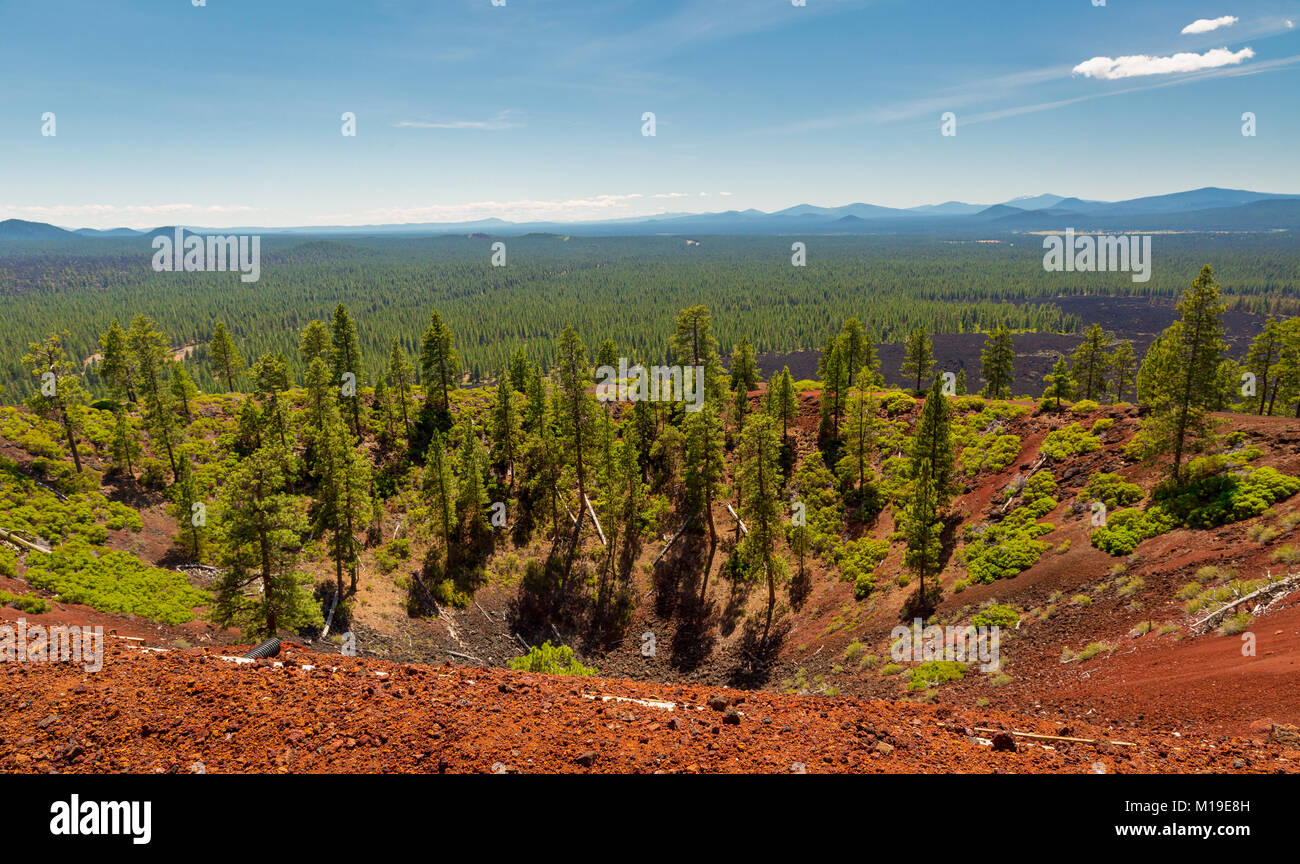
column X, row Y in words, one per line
column 505, row 431
column 345, row 359
column 314, row 342
column 744, row 367
column 693, row 345
column 520, row 370
column 59, row 394
column 1263, row 360
column 125, row 447
column 1180, row 383
column 399, row 382
column 117, row 367
column 918, row 359
column 961, row 381
column 471, row 493
column 782, row 404
column 1123, row 365
column 860, row 433
column 151, row 355
column 854, row 342
column 1091, row 363
column 760, row 490
column 997, row 362
column 184, row 494
column 440, row 489
column 704, row 465
column 439, row 365
column 574, row 415
column 261, row 526
column 182, row 389
column 270, row 381
column 931, row 469
column 343, row 502
column 834, row 374
column 224, row 357
column 1060, row 384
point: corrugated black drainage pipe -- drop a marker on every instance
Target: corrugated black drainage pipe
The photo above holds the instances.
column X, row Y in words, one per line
column 269, row 648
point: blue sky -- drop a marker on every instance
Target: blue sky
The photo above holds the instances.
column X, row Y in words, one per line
column 229, row 114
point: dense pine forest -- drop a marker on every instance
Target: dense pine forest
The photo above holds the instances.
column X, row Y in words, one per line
column 284, row 469
column 620, row 288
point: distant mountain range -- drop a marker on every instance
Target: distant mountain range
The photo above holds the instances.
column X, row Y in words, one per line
column 1208, row 209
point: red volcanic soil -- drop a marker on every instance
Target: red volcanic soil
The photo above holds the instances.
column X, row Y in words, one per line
column 189, row 711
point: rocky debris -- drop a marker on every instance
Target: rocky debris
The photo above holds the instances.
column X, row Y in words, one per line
column 167, row 713
column 1004, row 742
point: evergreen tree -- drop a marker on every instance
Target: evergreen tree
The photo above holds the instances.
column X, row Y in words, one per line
column 399, row 382
column 471, row 493
column 574, row 415
column 918, row 359
column 1060, row 384
column 1263, row 360
column 854, row 343
column 997, row 362
column 961, row 381
column 117, row 366
column 59, row 395
column 860, row 433
column 520, row 369
column 343, row 502
column 224, row 357
column 345, row 358
column 125, row 447
column 693, row 345
column 744, row 367
column 834, row 374
column 1091, row 363
column 151, row 355
column 505, row 431
column 1180, row 383
column 704, row 465
column 439, row 365
column 182, row 389
column 760, row 490
column 261, row 526
column 782, row 404
column 932, row 470
column 184, row 495
column 270, row 381
column 440, row 489
column 1123, row 365
column 314, row 342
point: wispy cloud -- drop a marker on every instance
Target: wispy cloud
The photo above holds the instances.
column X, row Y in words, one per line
column 1136, row 65
column 119, row 215
column 1205, row 25
column 501, row 121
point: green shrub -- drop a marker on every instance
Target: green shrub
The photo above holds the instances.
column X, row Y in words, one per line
column 550, row 660
column 997, row 615
column 1068, row 442
column 114, row 582
column 1126, row 528
column 1084, row 406
column 29, row 603
column 935, row 672
column 1111, row 489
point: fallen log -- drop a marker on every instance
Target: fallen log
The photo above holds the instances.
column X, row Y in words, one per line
column 1268, row 591
column 739, row 521
column 19, row 541
column 1041, row 737
column 679, row 533
column 592, row 511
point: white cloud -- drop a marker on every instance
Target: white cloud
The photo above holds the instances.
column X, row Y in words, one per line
column 501, row 121
column 1205, row 25
column 1141, row 64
